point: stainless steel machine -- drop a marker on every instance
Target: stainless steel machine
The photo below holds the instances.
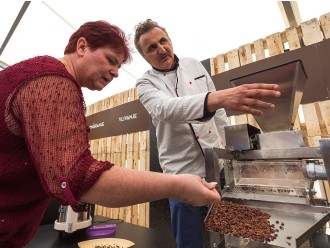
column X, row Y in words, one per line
column 70, row 221
column 269, row 168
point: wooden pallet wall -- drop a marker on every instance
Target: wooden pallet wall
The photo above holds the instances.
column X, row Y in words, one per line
column 309, row 32
column 313, row 119
column 128, row 151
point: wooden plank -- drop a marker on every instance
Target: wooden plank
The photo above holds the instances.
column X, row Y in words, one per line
column 105, row 143
column 275, row 44
column 127, row 210
column 116, row 162
column 113, row 149
column 125, row 97
column 116, row 212
column 104, row 211
column 147, row 168
column 136, row 150
column 296, row 124
column 135, row 147
column 95, row 147
column 130, row 162
column 252, row 121
column 122, row 98
column 113, row 139
column 91, row 146
column 98, row 210
column 147, row 216
column 326, row 185
column 134, row 209
column 91, row 109
column 283, row 12
column 119, row 163
column 88, row 110
column 320, row 190
column 136, row 94
column 142, row 207
column 220, row 64
column 130, row 140
column 99, row 106
column 259, row 49
column 109, row 212
column 108, row 146
column 324, row 109
column 327, row 189
column 325, row 25
column 312, row 141
column 148, row 149
column 245, row 54
column 109, row 157
column 290, row 13
column 132, row 94
column 233, row 59
column 143, row 160
column 311, row 120
column 311, row 32
column 213, row 67
column 104, row 105
column 103, row 157
column 231, row 121
column 241, row 119
column 296, row 12
column 293, row 39
column 99, row 147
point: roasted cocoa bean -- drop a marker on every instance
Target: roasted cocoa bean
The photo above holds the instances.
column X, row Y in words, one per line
column 241, row 221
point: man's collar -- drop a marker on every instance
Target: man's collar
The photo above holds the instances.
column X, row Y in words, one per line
column 174, row 67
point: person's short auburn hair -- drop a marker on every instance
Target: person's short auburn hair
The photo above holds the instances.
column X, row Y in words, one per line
column 101, row 34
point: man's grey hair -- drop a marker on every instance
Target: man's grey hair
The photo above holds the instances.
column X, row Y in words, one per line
column 142, row 28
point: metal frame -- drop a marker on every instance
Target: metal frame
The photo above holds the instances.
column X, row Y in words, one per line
column 12, row 30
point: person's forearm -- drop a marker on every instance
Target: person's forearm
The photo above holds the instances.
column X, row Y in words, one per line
column 121, row 187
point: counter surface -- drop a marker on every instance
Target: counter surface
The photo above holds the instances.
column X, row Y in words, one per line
column 48, row 237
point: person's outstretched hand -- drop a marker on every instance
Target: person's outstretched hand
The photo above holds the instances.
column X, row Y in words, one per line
column 247, row 98
column 195, row 191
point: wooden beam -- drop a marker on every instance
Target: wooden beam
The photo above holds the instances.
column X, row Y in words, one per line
column 290, row 13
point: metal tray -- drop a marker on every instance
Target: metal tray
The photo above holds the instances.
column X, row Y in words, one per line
column 301, row 222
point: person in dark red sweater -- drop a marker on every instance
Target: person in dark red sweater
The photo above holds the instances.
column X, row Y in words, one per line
column 44, row 139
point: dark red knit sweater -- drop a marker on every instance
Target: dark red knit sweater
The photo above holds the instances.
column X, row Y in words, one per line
column 43, row 136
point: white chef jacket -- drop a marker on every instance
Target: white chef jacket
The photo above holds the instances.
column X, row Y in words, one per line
column 174, row 99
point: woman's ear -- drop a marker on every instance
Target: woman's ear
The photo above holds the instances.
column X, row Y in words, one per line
column 81, row 46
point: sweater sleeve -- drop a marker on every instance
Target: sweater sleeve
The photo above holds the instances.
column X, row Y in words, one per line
column 51, row 112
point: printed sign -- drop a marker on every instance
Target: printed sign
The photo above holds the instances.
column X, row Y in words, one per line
column 127, row 118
